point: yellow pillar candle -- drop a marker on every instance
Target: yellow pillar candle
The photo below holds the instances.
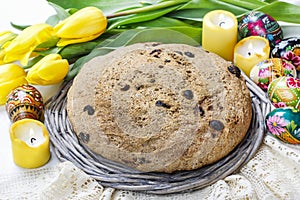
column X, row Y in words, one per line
column 250, row 51
column 219, row 33
column 30, row 143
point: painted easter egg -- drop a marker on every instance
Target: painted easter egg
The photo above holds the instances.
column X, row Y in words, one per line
column 284, row 123
column 266, row 71
column 288, row 49
column 25, row 102
column 260, row 24
column 285, row 91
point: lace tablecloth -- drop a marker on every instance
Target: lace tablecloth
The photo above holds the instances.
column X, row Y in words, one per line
column 272, row 174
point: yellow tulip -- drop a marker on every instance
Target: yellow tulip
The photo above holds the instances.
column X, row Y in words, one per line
column 6, row 36
column 11, row 76
column 22, row 46
column 49, row 70
column 2, row 54
column 84, row 25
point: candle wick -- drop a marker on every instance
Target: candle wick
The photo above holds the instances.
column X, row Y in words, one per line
column 249, row 53
column 221, row 23
column 32, row 140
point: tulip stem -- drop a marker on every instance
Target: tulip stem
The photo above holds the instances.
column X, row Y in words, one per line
column 147, row 8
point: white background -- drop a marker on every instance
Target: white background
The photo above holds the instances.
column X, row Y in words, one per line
column 21, row 12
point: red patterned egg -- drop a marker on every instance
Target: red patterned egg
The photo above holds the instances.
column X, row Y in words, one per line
column 260, row 24
column 266, row 71
column 285, row 92
column 288, row 49
column 25, row 102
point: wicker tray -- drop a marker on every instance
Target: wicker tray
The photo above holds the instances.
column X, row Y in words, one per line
column 110, row 174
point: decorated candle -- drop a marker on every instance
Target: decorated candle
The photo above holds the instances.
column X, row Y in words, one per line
column 219, row 33
column 30, row 143
column 250, row 51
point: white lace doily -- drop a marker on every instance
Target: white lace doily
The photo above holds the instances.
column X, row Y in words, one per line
column 272, row 174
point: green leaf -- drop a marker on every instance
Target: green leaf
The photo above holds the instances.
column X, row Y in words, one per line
column 158, row 22
column 152, row 35
column 270, row 1
column 77, row 50
column 33, row 61
column 61, row 12
column 49, row 51
column 291, row 127
column 19, row 27
column 249, row 4
column 194, row 32
column 53, row 20
column 49, row 43
column 282, row 11
column 147, row 8
column 140, row 17
column 195, row 10
column 106, row 6
column 263, row 80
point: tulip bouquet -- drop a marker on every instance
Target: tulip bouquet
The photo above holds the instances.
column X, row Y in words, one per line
column 50, row 52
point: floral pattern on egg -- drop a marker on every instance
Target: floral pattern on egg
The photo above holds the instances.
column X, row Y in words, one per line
column 284, row 123
column 266, row 71
column 288, row 49
column 285, row 91
column 25, row 102
column 260, row 24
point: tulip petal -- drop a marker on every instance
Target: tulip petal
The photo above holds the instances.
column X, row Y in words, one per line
column 7, row 87
column 6, row 36
column 10, row 71
column 85, row 22
column 49, row 70
column 84, row 25
column 21, row 47
column 66, row 41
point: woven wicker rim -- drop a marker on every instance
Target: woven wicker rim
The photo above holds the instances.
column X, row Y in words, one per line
column 110, row 174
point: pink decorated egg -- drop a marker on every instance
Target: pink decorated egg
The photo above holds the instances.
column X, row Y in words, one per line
column 285, row 92
column 266, row 71
column 25, row 102
column 260, row 24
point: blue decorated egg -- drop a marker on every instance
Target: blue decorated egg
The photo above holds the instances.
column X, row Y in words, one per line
column 288, row 49
column 284, row 123
column 260, row 24
column 285, row 92
column 267, row 70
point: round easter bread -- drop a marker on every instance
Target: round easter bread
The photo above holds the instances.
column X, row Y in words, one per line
column 160, row 107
